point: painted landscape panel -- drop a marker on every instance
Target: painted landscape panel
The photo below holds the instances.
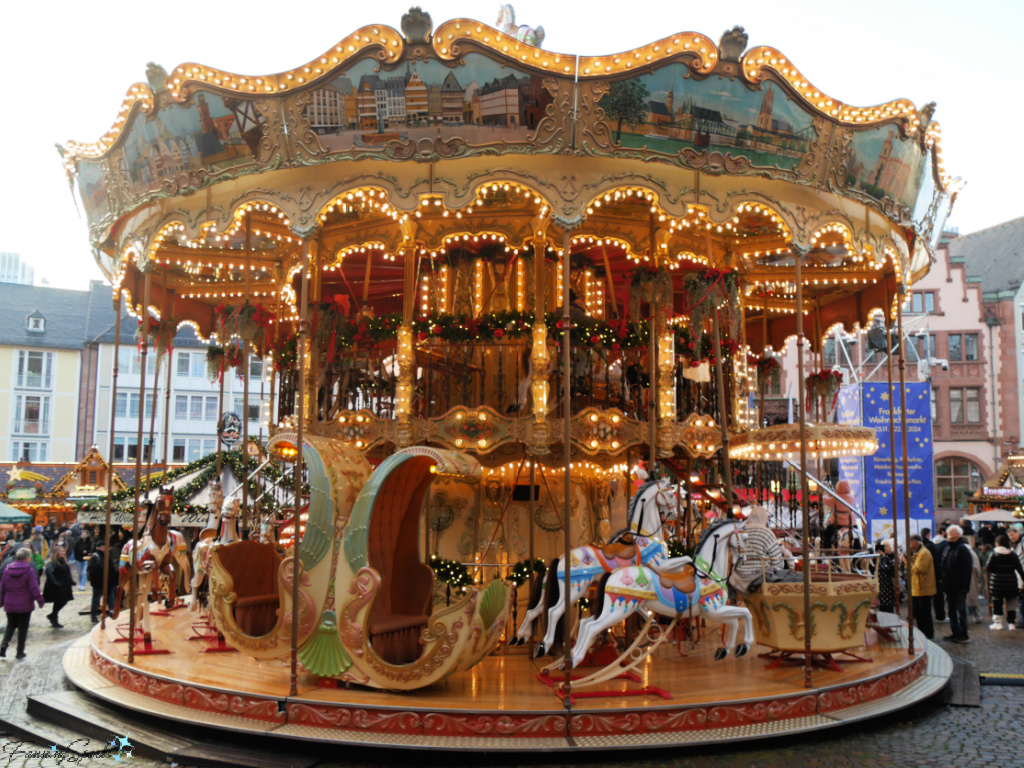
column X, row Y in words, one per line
column 481, row 102
column 666, row 111
column 211, row 132
column 882, row 164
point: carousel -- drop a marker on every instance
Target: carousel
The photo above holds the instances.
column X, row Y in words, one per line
column 520, row 307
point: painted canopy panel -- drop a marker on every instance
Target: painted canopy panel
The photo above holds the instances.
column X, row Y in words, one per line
column 473, row 92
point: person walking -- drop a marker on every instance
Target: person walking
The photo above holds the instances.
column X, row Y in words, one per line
column 40, row 550
column 19, row 589
column 82, row 550
column 938, row 549
column 922, row 578
column 97, row 563
column 1004, row 569
column 1016, row 536
column 59, row 587
column 886, row 577
column 957, row 567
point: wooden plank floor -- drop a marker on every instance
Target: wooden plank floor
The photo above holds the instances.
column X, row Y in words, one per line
column 506, row 682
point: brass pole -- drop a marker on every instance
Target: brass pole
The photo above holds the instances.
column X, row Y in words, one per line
column 301, row 417
column 244, row 450
column 723, row 416
column 110, row 457
column 533, row 512
column 167, row 392
column 891, row 398
column 567, row 488
column 806, row 550
column 906, row 473
column 132, row 583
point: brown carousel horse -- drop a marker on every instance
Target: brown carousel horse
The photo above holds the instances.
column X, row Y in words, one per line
column 157, row 551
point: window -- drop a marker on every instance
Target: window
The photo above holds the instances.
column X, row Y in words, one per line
column 130, row 361
column 28, row 451
column 956, row 350
column 198, row 364
column 965, row 405
column 211, row 409
column 970, row 346
column 922, row 302
column 209, row 446
column 972, row 403
column 194, row 447
column 955, row 481
column 36, row 324
column 32, row 415
column 178, row 449
column 181, row 405
column 183, row 363
column 195, row 412
column 255, row 367
column 775, row 381
column 121, row 404
column 254, row 409
column 935, row 404
column 34, row 369
column 956, row 406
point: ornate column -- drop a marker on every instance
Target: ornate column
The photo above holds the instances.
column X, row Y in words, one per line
column 540, row 360
column 406, row 358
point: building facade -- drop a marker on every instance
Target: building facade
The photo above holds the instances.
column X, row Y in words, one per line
column 964, row 335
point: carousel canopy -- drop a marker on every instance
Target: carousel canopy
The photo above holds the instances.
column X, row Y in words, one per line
column 462, row 145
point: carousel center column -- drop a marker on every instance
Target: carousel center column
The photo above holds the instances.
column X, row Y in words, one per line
column 406, row 359
column 540, row 360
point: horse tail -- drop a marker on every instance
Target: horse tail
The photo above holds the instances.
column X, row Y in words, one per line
column 537, row 592
column 551, row 585
column 599, row 597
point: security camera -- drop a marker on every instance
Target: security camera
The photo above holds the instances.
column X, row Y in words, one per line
column 939, row 361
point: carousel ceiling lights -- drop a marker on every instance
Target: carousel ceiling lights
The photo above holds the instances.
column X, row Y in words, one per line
column 782, row 442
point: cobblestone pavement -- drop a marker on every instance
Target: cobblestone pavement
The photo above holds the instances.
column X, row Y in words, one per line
column 929, row 734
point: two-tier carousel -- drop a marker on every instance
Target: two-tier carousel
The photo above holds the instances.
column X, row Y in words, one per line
column 493, row 280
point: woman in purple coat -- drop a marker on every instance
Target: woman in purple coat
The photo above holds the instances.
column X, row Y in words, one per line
column 19, row 589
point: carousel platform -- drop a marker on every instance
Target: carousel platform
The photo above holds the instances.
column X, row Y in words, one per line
column 680, row 696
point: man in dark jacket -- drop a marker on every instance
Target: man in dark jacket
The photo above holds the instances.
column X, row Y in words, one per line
column 19, row 592
column 97, row 562
column 957, row 566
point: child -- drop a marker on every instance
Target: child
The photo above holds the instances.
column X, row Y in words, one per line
column 1003, row 568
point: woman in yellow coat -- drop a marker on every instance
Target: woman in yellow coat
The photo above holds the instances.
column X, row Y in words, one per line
column 922, row 579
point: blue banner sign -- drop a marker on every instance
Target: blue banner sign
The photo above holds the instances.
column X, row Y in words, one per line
column 871, row 478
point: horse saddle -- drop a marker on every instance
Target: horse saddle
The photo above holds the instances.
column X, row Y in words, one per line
column 620, row 549
column 678, row 573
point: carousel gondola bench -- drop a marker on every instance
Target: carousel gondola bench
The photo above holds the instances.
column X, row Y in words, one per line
column 252, row 567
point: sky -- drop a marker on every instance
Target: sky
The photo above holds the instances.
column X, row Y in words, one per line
column 68, row 66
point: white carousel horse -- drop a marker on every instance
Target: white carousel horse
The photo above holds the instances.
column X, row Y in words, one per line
column 640, row 544
column 226, row 533
column 158, row 549
column 679, row 586
column 521, row 32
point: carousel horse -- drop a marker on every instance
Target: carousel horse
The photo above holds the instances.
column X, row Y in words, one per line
column 226, row 533
column 672, row 588
column 638, row 544
column 157, row 552
column 521, row 32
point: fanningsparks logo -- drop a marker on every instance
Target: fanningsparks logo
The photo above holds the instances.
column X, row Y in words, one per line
column 119, row 749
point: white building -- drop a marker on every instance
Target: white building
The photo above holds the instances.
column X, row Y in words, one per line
column 14, row 270
column 187, row 402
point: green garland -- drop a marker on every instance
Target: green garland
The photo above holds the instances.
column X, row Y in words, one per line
column 208, row 465
column 451, row 572
column 520, row 572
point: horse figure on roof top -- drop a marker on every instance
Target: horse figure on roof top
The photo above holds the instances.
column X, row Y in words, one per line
column 672, row 588
column 521, row 32
column 640, row 543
